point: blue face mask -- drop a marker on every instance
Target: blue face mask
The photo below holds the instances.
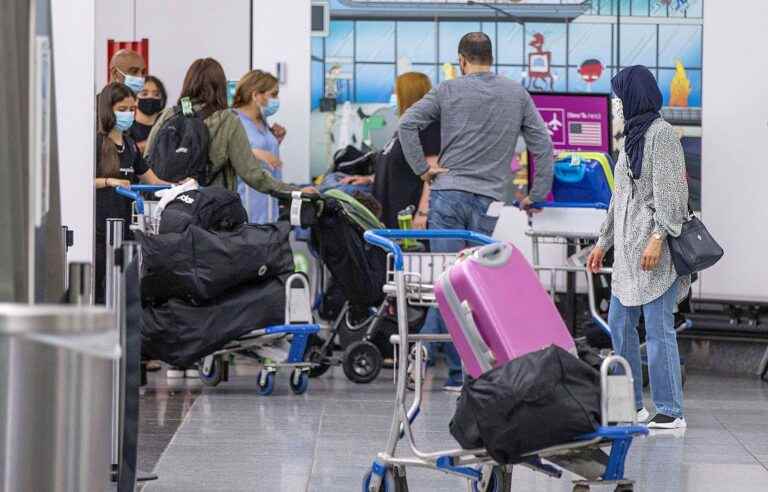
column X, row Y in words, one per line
column 136, row 84
column 271, row 108
column 123, row 120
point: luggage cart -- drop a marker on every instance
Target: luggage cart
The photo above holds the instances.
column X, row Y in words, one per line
column 566, row 238
column 276, row 347
column 411, row 282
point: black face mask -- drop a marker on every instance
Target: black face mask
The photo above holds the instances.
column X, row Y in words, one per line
column 150, row 105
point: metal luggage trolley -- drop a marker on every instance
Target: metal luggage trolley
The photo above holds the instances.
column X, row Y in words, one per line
column 269, row 345
column 410, row 281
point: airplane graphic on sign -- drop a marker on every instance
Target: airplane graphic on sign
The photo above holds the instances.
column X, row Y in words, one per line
column 555, row 121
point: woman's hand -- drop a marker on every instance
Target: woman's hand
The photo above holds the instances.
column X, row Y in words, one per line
column 651, row 255
column 115, row 182
column 420, row 220
column 279, row 132
column 357, row 180
column 595, row 260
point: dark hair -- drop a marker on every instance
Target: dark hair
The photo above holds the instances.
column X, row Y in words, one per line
column 160, row 87
column 476, row 48
column 205, row 83
column 108, row 164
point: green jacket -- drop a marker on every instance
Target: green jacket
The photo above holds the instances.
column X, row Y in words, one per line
column 229, row 152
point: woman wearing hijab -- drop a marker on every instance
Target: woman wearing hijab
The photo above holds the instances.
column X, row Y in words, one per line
column 650, row 202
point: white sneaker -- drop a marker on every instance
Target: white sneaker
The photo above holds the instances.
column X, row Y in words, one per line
column 660, row 421
column 191, row 373
column 174, row 373
column 643, row 415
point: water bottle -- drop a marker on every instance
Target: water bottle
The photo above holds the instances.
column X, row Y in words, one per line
column 405, row 222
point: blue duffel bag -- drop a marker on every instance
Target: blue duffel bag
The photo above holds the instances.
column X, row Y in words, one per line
column 580, row 180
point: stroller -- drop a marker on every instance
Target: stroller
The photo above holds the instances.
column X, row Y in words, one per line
column 367, row 317
column 277, row 345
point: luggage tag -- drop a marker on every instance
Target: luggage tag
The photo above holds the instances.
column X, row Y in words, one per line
column 296, row 203
column 494, row 209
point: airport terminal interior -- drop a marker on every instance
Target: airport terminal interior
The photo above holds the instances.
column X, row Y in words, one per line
column 383, row 246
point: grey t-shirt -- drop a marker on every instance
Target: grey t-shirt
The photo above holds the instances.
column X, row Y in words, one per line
column 481, row 116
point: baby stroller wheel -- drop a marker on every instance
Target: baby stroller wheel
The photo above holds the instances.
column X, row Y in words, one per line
column 500, row 480
column 362, row 362
column 213, row 374
column 266, row 381
column 299, row 382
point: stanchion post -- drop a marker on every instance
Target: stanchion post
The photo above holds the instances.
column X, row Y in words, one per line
column 112, row 296
column 80, row 290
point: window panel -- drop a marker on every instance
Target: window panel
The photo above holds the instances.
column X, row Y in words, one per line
column 514, row 73
column 638, row 45
column 695, row 9
column 639, row 8
column 659, row 9
column 374, row 83
column 428, row 70
column 317, row 83
column 375, row 41
column 489, row 28
column 694, row 76
column 340, row 41
column 317, row 47
column 606, row 6
column 344, row 81
column 554, row 40
column 416, row 41
column 680, row 43
column 510, row 48
column 577, row 83
column 692, row 8
column 589, row 41
column 450, row 35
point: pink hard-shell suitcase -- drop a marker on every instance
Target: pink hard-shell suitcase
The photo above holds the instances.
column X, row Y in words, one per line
column 496, row 309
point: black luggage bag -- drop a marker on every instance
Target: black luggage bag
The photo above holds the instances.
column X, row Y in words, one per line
column 198, row 266
column 541, row 399
column 181, row 334
column 211, row 208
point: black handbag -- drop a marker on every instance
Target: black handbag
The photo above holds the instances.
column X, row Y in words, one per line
column 694, row 249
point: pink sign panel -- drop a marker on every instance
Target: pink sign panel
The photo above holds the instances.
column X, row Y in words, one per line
column 576, row 122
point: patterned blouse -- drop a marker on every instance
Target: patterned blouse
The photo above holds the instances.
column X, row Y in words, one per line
column 657, row 202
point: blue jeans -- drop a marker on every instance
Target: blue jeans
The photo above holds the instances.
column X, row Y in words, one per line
column 663, row 356
column 450, row 209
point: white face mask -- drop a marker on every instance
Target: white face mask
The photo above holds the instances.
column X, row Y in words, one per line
column 618, row 109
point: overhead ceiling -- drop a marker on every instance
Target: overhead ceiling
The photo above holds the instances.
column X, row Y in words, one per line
column 522, row 9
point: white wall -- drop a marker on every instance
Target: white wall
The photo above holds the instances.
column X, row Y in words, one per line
column 281, row 33
column 73, row 38
column 735, row 129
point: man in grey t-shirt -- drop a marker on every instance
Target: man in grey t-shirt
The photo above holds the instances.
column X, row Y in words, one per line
column 481, row 115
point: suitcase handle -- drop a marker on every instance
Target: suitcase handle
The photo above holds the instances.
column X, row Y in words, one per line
column 493, row 255
column 551, row 204
column 383, row 238
column 483, row 353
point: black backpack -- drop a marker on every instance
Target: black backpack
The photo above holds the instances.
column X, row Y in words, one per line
column 211, row 208
column 180, row 149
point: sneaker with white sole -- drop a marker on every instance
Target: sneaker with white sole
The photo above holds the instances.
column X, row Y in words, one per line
column 452, row 386
column 174, row 373
column 661, row 421
column 643, row 415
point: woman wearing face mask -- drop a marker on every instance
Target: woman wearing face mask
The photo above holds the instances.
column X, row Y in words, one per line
column 151, row 101
column 649, row 203
column 256, row 99
column 119, row 163
column 229, row 151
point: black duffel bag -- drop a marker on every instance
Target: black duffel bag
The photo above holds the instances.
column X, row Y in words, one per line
column 541, row 399
column 181, row 334
column 213, row 208
column 198, row 265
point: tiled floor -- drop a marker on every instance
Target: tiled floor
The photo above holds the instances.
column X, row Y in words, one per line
column 234, row 440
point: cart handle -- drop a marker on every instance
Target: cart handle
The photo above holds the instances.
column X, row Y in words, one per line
column 133, row 192
column 383, row 238
column 551, row 204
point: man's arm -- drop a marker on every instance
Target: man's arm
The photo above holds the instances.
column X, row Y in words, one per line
column 418, row 117
column 540, row 145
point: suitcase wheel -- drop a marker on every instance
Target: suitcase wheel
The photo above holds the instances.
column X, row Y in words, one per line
column 500, row 480
column 215, row 374
column 362, row 362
